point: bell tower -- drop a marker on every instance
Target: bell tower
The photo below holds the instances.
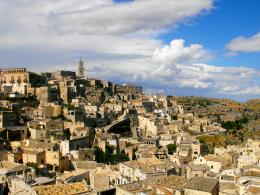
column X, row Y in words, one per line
column 81, row 69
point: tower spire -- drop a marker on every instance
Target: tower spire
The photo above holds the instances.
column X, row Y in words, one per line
column 81, row 68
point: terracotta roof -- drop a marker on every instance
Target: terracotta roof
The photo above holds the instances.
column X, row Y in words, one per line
column 62, row 189
column 10, row 166
column 135, row 187
column 172, row 182
column 86, row 164
column 198, row 167
column 40, row 145
column 30, row 151
column 143, row 163
column 201, row 184
column 68, row 175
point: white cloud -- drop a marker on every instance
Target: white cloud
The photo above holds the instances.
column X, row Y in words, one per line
column 242, row 44
column 176, row 52
column 122, row 39
column 139, row 15
column 173, row 67
column 96, row 25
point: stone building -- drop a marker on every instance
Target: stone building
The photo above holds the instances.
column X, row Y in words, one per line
column 142, row 169
column 151, row 125
column 67, row 91
column 11, row 169
column 47, row 94
column 99, row 180
column 74, row 144
column 34, row 156
column 64, row 74
column 74, row 115
column 171, row 185
column 198, row 170
column 7, row 119
column 95, row 96
column 128, row 89
column 42, row 112
column 21, row 77
column 42, row 153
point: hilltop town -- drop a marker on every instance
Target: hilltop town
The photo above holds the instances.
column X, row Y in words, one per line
column 65, row 133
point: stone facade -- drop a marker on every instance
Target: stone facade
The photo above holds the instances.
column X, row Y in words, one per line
column 21, row 77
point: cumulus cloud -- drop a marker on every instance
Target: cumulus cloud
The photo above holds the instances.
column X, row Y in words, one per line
column 119, row 42
column 175, row 66
column 176, row 52
column 242, row 44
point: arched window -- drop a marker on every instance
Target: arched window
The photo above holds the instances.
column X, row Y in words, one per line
column 12, row 79
column 19, row 80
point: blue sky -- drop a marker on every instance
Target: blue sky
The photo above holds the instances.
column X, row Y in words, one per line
column 200, row 48
column 227, row 20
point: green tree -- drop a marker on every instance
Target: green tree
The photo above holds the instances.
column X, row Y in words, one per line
column 233, row 126
column 171, row 148
column 206, row 148
column 100, row 155
column 109, row 157
column 121, row 157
